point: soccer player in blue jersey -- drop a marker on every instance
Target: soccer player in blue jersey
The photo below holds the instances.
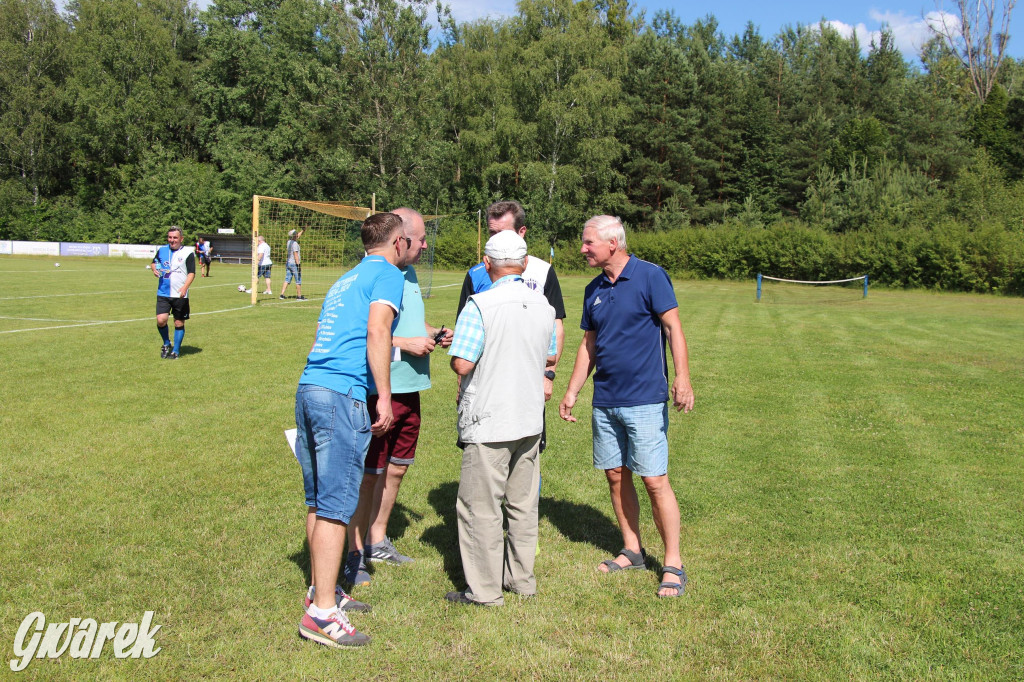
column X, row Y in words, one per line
column 204, row 252
column 349, row 361
column 629, row 313
column 174, row 266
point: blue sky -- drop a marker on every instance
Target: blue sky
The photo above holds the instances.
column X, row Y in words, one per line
column 906, row 18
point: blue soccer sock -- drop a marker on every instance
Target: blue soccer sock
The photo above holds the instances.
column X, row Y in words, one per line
column 164, row 334
column 179, row 334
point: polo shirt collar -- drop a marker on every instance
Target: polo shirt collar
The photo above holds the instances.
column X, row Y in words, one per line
column 627, row 271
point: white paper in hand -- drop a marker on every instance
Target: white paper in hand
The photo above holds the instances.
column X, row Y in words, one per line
column 290, row 435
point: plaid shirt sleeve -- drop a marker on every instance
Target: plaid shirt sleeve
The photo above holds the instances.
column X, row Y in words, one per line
column 468, row 342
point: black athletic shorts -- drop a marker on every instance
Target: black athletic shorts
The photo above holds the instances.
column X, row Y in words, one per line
column 177, row 306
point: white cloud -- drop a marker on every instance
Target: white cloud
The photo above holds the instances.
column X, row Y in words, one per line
column 909, row 33
column 864, row 35
column 470, row 10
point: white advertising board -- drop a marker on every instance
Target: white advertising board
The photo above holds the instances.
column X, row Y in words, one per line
column 36, row 248
column 133, row 250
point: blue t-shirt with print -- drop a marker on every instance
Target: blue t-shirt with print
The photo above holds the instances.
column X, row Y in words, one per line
column 338, row 358
column 629, row 364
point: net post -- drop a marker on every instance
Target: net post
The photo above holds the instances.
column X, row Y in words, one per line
column 255, row 232
column 865, row 286
column 758, row 287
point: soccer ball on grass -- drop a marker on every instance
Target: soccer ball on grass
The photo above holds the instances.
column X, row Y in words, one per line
column 241, row 287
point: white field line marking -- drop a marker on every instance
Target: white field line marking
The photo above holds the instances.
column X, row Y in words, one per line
column 35, row 319
column 99, row 293
column 445, row 286
column 137, row 319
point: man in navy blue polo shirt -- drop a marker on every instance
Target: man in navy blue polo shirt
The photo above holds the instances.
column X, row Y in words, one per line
column 350, row 359
column 629, row 312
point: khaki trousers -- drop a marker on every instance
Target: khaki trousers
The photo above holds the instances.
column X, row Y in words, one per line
column 492, row 472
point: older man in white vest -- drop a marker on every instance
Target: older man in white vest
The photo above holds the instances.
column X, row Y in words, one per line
column 504, row 341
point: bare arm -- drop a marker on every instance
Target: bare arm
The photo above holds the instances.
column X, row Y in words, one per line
column 580, row 371
column 552, row 361
column 378, row 357
column 462, row 366
column 414, row 345
column 682, row 391
column 560, row 340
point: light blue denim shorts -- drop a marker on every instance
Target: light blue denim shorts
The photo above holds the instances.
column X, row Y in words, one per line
column 292, row 271
column 635, row 437
column 334, row 434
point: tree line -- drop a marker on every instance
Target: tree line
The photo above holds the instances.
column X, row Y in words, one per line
column 120, row 117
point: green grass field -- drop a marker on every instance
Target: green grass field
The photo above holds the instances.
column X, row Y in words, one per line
column 850, row 483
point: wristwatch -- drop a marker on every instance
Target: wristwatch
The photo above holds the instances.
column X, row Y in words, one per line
column 549, row 374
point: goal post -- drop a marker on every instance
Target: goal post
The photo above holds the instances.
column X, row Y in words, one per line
column 860, row 282
column 328, row 238
column 330, row 243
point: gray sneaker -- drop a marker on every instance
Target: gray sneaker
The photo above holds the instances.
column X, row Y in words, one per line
column 385, row 551
column 355, row 570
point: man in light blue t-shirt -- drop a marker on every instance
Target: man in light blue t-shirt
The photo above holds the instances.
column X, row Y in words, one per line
column 349, row 361
column 390, row 455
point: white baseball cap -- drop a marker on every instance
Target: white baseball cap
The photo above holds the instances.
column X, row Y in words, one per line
column 506, row 245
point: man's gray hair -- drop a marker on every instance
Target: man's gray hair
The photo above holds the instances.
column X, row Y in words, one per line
column 608, row 227
column 175, row 228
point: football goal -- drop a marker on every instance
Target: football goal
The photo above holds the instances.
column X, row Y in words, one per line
column 779, row 290
column 329, row 244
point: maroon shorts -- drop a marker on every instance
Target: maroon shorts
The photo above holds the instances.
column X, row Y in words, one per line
column 398, row 445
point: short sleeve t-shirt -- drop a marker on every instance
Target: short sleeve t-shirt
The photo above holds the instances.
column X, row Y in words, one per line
column 411, row 373
column 338, row 358
column 292, row 249
column 263, row 251
column 630, row 366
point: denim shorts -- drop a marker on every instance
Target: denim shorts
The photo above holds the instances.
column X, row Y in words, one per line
column 292, row 271
column 634, row 437
column 264, row 271
column 334, row 434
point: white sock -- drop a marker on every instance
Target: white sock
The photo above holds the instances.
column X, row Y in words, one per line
column 317, row 612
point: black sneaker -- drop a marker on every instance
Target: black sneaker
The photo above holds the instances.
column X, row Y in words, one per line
column 300, row 298
column 172, row 355
column 164, row 350
column 461, row 598
column 281, row 297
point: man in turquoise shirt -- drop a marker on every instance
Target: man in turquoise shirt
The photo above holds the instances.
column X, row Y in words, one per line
column 391, row 454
